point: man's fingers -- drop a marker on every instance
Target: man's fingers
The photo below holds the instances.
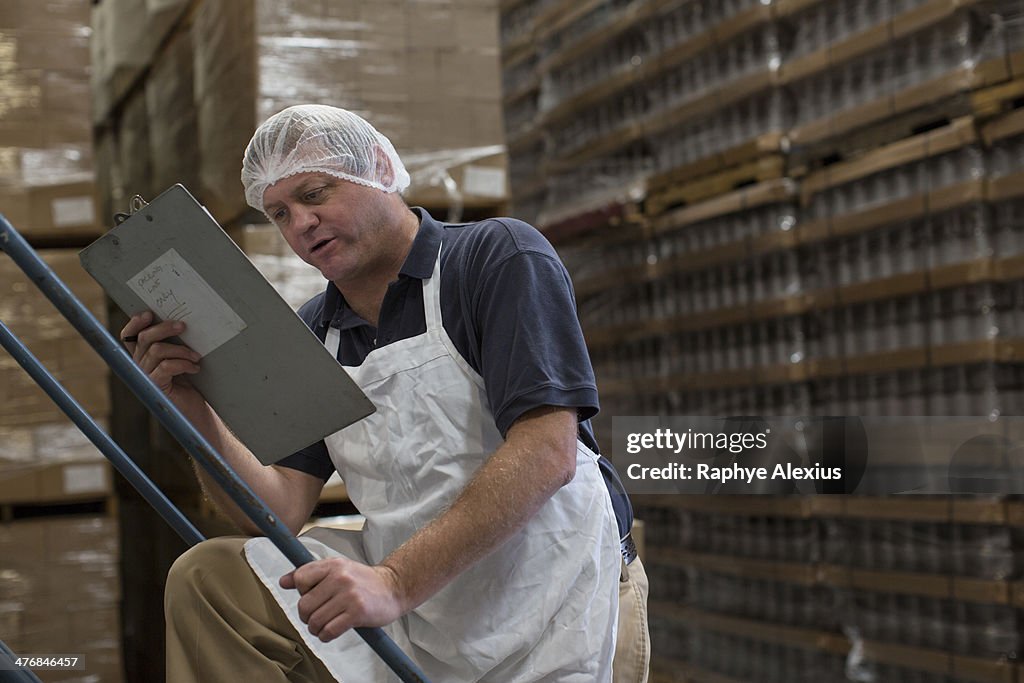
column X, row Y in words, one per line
column 309, row 575
column 335, row 627
column 314, row 600
column 164, row 373
column 157, row 333
column 137, row 323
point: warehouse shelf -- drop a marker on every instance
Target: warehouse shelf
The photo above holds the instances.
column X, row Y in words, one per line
column 911, row 508
column 517, row 50
column 524, row 137
column 1006, row 126
column 768, row 192
column 999, row 99
column 591, row 217
column 959, row 133
column 981, row 351
column 522, row 91
column 754, row 148
column 690, row 262
column 706, row 102
column 905, row 284
column 961, row 80
column 916, row 509
column 598, row 36
column 779, row 634
column 505, row 6
column 939, row 586
column 745, row 567
column 872, row 38
column 978, row 669
column 908, row 208
column 800, row 507
column 658, row 63
column 551, row 14
column 531, row 189
column 669, row 670
column 766, row 167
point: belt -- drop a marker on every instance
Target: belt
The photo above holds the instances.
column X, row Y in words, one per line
column 628, row 548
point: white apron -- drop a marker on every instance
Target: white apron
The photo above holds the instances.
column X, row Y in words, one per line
column 542, row 607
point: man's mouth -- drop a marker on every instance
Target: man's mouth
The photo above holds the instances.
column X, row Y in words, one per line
column 320, row 244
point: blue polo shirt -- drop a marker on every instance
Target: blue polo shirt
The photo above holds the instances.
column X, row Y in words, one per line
column 508, row 306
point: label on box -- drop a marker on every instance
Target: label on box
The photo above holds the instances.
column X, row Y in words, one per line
column 68, row 211
column 484, row 181
column 173, row 290
column 84, row 478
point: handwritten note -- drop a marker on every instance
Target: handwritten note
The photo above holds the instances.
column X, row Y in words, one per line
column 173, row 290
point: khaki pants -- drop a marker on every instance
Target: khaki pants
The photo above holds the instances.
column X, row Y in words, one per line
column 633, row 645
column 223, row 624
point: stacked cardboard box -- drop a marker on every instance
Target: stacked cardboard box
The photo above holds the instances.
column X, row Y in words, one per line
column 52, row 339
column 45, row 138
column 295, row 280
column 424, row 73
column 60, row 593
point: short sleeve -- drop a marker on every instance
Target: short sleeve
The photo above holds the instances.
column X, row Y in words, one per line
column 312, row 459
column 532, row 351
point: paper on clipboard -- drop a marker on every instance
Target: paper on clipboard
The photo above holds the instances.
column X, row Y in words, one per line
column 173, row 290
column 263, row 370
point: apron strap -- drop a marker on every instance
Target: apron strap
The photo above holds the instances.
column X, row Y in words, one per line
column 333, row 340
column 432, row 297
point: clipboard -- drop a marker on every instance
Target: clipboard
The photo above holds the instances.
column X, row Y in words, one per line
column 263, row 371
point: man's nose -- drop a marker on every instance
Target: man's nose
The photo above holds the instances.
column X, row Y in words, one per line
column 304, row 218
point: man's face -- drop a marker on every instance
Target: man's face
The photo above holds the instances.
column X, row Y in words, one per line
column 332, row 224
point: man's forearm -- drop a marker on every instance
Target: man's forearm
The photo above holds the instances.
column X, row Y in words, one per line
column 265, row 481
column 538, row 459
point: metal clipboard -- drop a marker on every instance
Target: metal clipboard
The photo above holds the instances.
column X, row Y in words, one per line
column 264, row 372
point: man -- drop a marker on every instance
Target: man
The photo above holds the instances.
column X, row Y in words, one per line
column 491, row 549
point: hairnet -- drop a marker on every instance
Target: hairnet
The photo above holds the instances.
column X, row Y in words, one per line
column 320, row 139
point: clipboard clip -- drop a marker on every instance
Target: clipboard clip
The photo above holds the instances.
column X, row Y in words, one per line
column 135, row 204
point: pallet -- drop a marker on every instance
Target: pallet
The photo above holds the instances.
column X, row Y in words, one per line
column 671, row 194
column 52, row 485
column 812, row 158
column 944, row 97
column 999, row 99
column 590, row 220
column 953, row 135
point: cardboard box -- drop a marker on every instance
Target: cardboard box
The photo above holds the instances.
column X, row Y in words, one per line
column 393, row 62
column 55, row 482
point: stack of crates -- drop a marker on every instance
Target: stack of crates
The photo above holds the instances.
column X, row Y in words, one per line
column 60, row 588
column 785, row 208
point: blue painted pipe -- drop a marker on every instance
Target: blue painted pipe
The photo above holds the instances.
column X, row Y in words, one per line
column 122, row 463
column 15, row 675
column 121, row 364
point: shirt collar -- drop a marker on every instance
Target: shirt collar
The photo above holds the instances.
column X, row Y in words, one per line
column 419, row 264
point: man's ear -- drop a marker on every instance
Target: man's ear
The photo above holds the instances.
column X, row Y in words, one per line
column 384, row 170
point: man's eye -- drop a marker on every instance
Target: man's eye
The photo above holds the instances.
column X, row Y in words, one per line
column 278, row 215
column 313, row 195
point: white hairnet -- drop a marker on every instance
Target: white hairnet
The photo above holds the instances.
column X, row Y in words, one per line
column 320, row 139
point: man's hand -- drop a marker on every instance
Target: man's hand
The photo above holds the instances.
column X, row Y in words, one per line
column 165, row 363
column 339, row 594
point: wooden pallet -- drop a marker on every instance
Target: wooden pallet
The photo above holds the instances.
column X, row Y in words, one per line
column 813, row 158
column 999, row 99
column 673, row 192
